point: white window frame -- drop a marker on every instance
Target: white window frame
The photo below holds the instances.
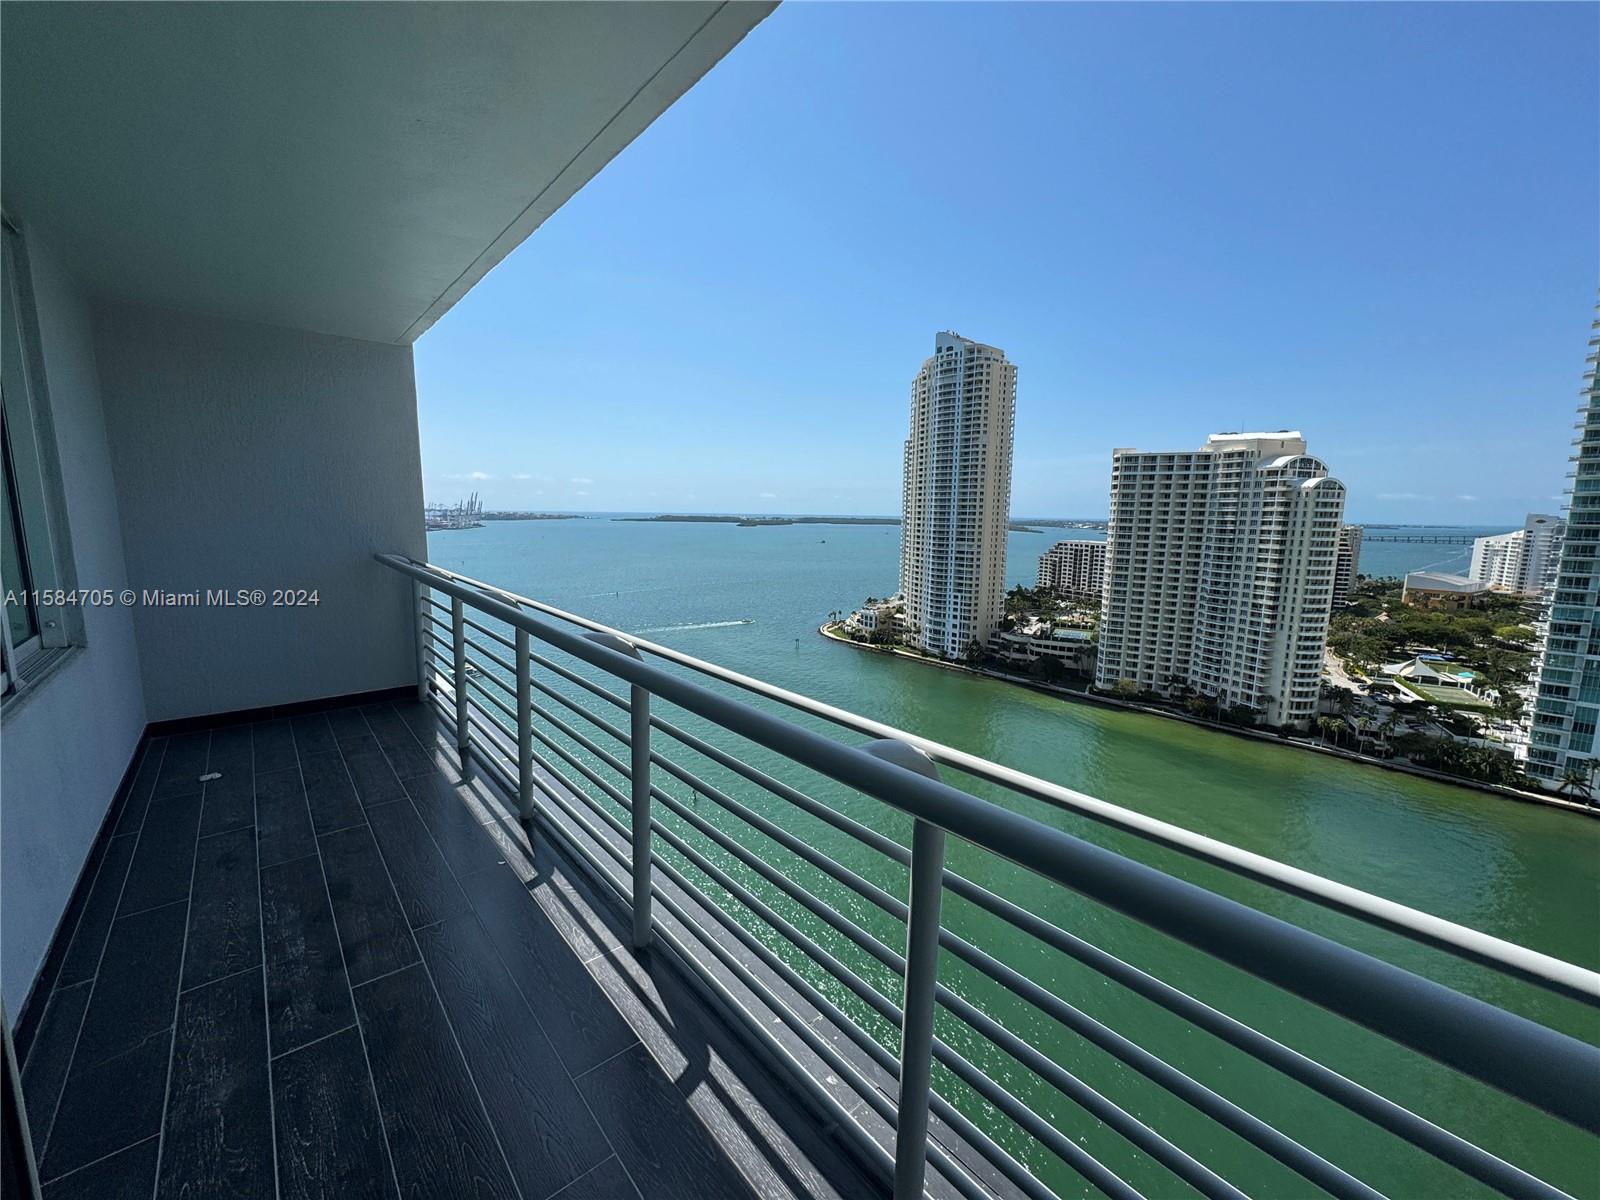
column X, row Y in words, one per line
column 13, row 652
column 35, row 475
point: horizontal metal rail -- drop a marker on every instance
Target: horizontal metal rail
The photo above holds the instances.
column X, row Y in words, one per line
column 1333, row 1180
column 1313, row 1167
column 870, row 837
column 1318, row 1170
column 1330, row 1178
column 1542, row 969
column 1448, row 1147
column 1424, row 1134
column 1548, row 1069
column 1085, row 1164
column 1537, row 1065
column 490, row 633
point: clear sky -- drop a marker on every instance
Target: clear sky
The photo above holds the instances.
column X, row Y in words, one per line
column 1379, row 224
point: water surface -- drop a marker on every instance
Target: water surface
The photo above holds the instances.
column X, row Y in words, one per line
column 751, row 599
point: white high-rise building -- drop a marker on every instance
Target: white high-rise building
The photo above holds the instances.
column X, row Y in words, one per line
column 1522, row 561
column 1074, row 568
column 957, row 495
column 1220, row 572
column 1497, row 560
column 1347, row 565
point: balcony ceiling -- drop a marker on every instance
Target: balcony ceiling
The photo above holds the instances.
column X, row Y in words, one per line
column 346, row 168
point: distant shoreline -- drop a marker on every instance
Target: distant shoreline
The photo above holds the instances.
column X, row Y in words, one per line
column 1019, row 524
column 485, row 518
column 1295, row 742
column 694, row 519
column 752, row 522
column 533, row 516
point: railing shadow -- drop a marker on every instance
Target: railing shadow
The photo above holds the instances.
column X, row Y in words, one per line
column 658, row 1000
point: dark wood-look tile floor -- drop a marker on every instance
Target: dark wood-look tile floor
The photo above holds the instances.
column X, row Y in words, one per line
column 330, row 972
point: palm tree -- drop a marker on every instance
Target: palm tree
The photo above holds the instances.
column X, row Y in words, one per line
column 1363, row 731
column 1577, row 777
column 1331, row 728
column 1387, row 726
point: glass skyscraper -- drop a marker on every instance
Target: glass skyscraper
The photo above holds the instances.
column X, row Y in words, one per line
column 1567, row 706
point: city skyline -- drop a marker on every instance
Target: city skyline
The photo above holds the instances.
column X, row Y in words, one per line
column 1370, row 223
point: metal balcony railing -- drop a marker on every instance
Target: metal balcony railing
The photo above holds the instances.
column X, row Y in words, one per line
column 512, row 708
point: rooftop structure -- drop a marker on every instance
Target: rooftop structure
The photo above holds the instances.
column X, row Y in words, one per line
column 1070, row 648
column 1439, row 680
column 1442, row 581
column 1438, row 589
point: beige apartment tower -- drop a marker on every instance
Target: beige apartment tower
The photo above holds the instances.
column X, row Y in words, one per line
column 1220, row 573
column 956, row 500
column 1074, row 568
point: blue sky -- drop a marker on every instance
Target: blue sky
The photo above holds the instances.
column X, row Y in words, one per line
column 1379, row 224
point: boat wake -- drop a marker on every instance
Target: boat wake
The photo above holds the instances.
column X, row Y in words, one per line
column 698, row 625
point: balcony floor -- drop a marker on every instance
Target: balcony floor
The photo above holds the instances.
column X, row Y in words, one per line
column 377, row 990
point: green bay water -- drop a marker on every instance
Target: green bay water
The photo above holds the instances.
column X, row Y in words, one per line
column 751, row 599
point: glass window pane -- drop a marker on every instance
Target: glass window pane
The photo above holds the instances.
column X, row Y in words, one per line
column 21, row 616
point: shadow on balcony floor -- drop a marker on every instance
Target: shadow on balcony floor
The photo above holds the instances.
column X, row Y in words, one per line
column 316, row 973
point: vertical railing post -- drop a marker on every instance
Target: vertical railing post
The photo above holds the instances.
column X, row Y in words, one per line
column 639, row 733
column 922, row 972
column 419, row 613
column 639, row 778
column 26, row 1172
column 458, row 633
column 916, row 1030
column 524, row 733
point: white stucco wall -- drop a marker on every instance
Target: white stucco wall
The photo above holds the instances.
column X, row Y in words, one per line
column 64, row 746
column 251, row 456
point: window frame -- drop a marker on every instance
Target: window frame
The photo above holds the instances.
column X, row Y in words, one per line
column 32, row 476
column 15, row 652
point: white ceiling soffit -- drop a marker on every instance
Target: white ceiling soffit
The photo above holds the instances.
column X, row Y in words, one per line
column 345, row 168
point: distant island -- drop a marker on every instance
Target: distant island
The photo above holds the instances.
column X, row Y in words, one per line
column 1061, row 523
column 531, row 516
column 725, row 519
column 751, row 522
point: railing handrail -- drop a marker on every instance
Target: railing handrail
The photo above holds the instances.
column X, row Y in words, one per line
column 1541, row 1066
column 1443, row 1145
column 1545, row 970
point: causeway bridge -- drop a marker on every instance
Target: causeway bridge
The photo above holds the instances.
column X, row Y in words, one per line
column 1437, row 539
